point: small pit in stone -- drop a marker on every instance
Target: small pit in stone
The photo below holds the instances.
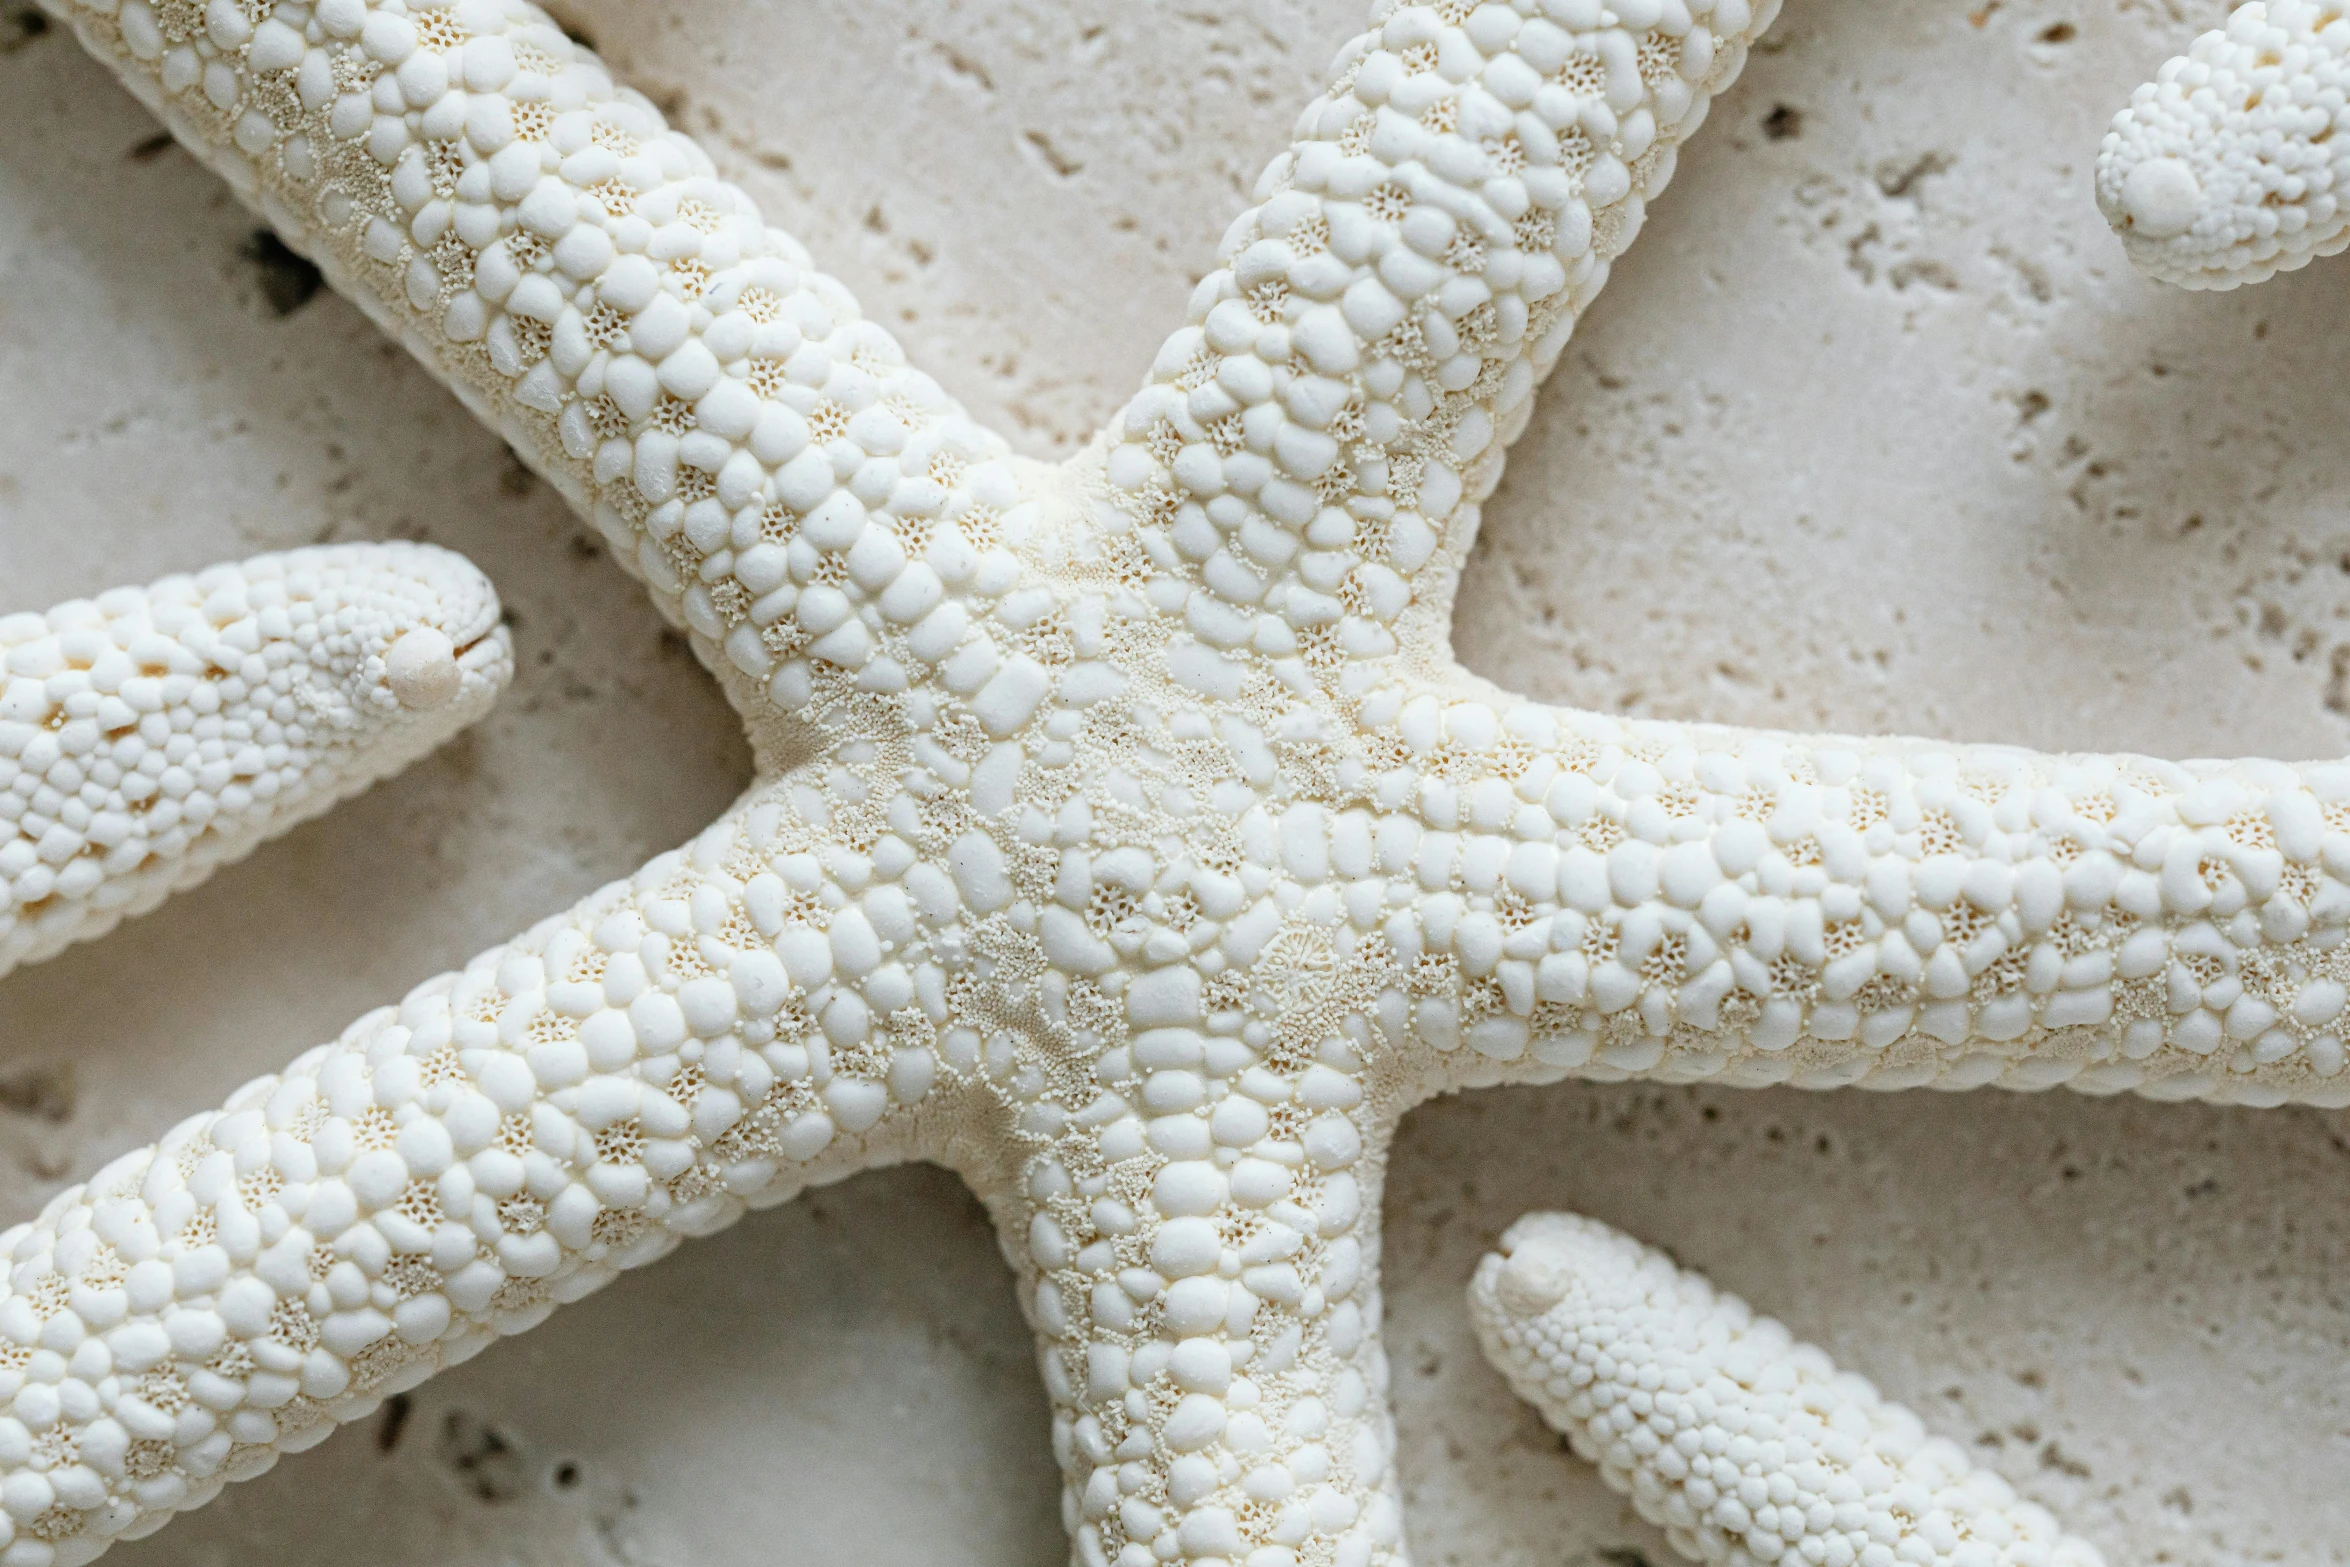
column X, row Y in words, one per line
column 1783, row 123
column 287, row 281
column 46, row 1093
column 484, row 1461
column 514, row 475
column 392, row 1421
column 21, row 22
column 573, row 28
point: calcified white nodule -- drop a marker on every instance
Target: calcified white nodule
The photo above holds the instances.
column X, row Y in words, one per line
column 149, row 736
column 1743, row 1445
column 1125, row 839
column 2226, row 168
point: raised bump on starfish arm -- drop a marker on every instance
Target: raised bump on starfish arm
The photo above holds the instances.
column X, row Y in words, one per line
column 1743, row 1445
column 151, row 735
column 1306, row 464
column 750, row 446
column 2226, row 169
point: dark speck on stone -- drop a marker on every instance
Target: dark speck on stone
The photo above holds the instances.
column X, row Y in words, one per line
column 572, row 27
column 1783, row 123
column 288, row 281
column 482, row 1458
column 45, row 1093
column 20, row 23
column 393, row 1421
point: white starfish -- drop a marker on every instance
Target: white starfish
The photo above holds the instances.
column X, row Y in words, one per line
column 1743, row 1445
column 2225, row 169
column 152, row 735
column 1125, row 837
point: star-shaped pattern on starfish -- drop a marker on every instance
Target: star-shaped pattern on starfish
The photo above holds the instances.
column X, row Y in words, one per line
column 1125, row 837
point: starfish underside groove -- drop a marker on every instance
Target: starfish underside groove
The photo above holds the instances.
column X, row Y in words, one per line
column 1125, row 837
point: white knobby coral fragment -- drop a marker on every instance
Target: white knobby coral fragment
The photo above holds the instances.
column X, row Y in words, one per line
column 1745, row 1446
column 2224, row 169
column 150, row 735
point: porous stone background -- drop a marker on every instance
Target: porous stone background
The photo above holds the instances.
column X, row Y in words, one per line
column 1874, row 430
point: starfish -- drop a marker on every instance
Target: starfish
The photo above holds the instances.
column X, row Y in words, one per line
column 2224, row 170
column 1125, row 837
column 1741, row 1444
column 150, row 736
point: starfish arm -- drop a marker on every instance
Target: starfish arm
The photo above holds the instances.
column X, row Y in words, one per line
column 1303, row 470
column 1571, row 893
column 568, row 265
column 2225, row 169
column 1206, row 1296
column 729, row 1026
column 151, row 735
column 1741, row 1444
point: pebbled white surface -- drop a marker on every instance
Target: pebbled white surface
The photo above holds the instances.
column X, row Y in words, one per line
column 2154, row 1319
column 1736, row 1439
column 2222, row 170
column 177, row 689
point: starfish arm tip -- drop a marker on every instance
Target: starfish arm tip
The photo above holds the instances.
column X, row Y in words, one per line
column 2225, row 170
column 151, row 735
column 1738, row 1441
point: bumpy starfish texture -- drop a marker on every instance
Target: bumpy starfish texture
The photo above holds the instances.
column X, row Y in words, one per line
column 2224, row 169
column 1743, row 1445
column 1125, row 837
column 151, row 735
